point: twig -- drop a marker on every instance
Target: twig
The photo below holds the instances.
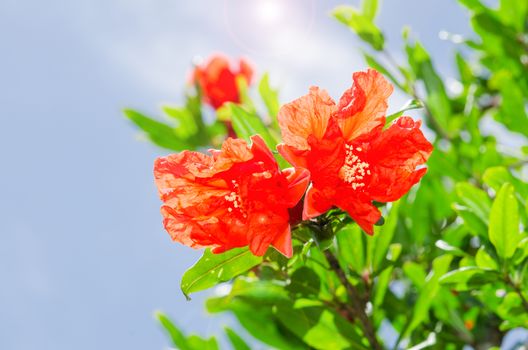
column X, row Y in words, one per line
column 518, row 290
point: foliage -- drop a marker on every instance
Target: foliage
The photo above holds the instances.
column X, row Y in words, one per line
column 449, row 267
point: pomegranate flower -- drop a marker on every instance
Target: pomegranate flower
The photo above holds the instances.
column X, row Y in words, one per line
column 351, row 159
column 217, row 79
column 235, row 197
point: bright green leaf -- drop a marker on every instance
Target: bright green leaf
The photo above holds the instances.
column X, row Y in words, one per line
column 270, row 97
column 237, row 341
column 159, row 133
column 504, row 222
column 484, row 260
column 362, row 25
column 177, row 337
column 410, row 105
column 212, row 269
column 350, row 245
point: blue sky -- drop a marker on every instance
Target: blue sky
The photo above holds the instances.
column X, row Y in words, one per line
column 84, row 260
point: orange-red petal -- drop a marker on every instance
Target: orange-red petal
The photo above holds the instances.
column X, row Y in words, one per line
column 315, row 204
column 293, row 156
column 362, row 108
column 283, row 243
column 298, row 179
column 363, row 212
column 395, row 156
column 304, row 117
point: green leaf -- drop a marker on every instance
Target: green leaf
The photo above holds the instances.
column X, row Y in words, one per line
column 350, row 245
column 382, row 284
column 410, row 105
column 374, row 63
column 247, row 124
column 449, row 248
column 186, row 125
column 473, row 4
column 319, row 328
column 428, row 292
column 415, row 272
column 270, row 97
column 504, row 222
column 497, row 176
column 361, row 24
column 437, row 99
column 484, row 260
column 378, row 244
column 237, row 342
column 522, row 251
column 469, row 278
column 212, row 269
column 159, row 133
column 263, row 325
column 177, row 337
column 304, row 282
column 198, row 343
column 475, row 200
column 462, row 275
column 370, row 8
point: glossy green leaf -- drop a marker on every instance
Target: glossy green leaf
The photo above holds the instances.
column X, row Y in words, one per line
column 504, row 222
column 462, row 275
column 212, row 269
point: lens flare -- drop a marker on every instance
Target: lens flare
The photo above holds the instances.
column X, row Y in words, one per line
column 269, row 27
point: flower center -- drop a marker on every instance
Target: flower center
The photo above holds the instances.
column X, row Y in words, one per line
column 233, row 198
column 354, row 170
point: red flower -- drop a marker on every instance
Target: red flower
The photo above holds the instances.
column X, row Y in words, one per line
column 218, row 80
column 234, row 197
column 351, row 159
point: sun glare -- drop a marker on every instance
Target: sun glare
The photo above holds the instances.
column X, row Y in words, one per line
column 269, row 10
